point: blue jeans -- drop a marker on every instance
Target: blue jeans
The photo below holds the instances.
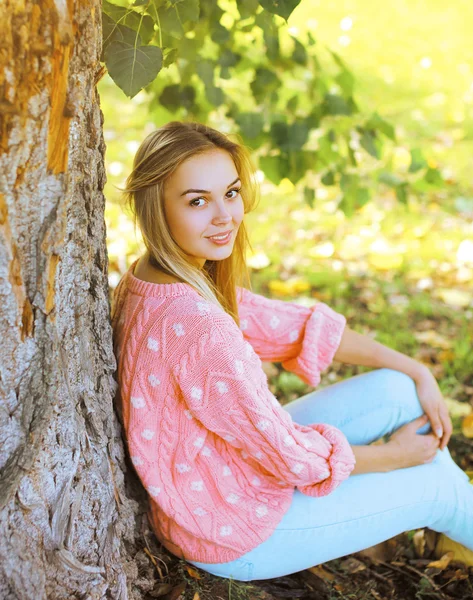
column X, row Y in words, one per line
column 367, row 508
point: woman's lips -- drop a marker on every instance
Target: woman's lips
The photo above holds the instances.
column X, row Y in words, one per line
column 222, row 241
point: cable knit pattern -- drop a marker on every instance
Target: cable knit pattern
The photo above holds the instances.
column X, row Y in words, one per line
column 217, row 453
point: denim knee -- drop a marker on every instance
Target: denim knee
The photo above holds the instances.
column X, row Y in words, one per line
column 401, row 390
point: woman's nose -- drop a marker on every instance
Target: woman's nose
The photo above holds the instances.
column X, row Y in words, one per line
column 222, row 213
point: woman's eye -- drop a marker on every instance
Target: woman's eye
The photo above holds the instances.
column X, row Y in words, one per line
column 191, row 203
column 236, row 190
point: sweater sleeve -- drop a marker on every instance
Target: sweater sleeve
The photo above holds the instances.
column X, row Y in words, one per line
column 223, row 385
column 304, row 339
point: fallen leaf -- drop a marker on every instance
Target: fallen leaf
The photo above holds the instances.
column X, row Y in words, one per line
column 467, row 425
column 443, row 562
column 433, row 338
column 352, row 565
column 321, row 572
column 193, row 573
column 455, row 298
column 419, row 543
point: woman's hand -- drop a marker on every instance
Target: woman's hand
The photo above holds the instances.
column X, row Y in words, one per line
column 434, row 406
column 407, row 448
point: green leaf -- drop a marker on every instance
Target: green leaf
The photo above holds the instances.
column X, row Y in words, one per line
column 142, row 24
column 247, row 8
column 300, row 161
column 283, row 8
column 289, row 137
column 292, row 103
column 228, row 58
column 270, row 34
column 250, row 124
column 215, row 95
column 173, row 18
column 368, row 142
column 434, row 177
column 300, row 54
column 401, row 193
column 418, row 161
column 264, row 82
column 328, row 178
column 309, row 196
column 346, row 81
column 220, row 34
column 174, row 97
column 390, row 179
column 354, row 195
column 205, row 70
column 377, row 122
column 170, row 57
column 334, row 104
column 274, row 167
column 132, row 68
column 112, row 32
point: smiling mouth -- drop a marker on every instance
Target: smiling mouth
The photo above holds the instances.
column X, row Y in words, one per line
column 221, row 237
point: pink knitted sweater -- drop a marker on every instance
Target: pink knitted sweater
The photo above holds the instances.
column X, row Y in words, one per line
column 217, row 453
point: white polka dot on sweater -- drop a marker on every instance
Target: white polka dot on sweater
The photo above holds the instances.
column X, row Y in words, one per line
column 293, row 335
column 200, row 511
column 233, row 498
column 183, row 467
column 199, row 442
column 258, row 455
column 243, row 324
column 263, row 424
column 306, row 443
column 239, row 366
column 196, row 393
column 333, row 339
column 153, row 490
column 256, row 480
column 203, row 307
column 274, row 322
column 153, row 344
column 206, row 451
column 226, row 471
column 226, row 530
column 229, row 438
column 137, row 460
column 148, row 434
column 198, row 486
column 261, row 510
column 244, row 454
column 188, row 414
column 221, row 386
column 289, row 440
column 138, row 402
column 178, row 329
column 154, row 381
column 297, row 468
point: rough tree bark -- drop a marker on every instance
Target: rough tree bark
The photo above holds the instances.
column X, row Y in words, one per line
column 70, row 507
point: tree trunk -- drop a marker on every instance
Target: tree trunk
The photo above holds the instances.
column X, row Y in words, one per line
column 71, row 508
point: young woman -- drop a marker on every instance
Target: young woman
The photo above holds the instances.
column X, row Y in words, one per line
column 239, row 485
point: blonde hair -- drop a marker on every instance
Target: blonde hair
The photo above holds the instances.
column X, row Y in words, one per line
column 158, row 156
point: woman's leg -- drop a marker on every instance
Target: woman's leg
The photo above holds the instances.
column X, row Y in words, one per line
column 368, row 508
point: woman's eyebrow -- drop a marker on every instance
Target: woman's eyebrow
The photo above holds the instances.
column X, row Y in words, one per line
column 206, row 191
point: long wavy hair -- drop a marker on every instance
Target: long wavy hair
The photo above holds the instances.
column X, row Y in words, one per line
column 158, row 156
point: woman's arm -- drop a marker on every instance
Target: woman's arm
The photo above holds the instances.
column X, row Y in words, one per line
column 358, row 349
column 378, row 458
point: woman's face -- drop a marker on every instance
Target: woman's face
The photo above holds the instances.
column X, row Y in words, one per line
column 202, row 199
